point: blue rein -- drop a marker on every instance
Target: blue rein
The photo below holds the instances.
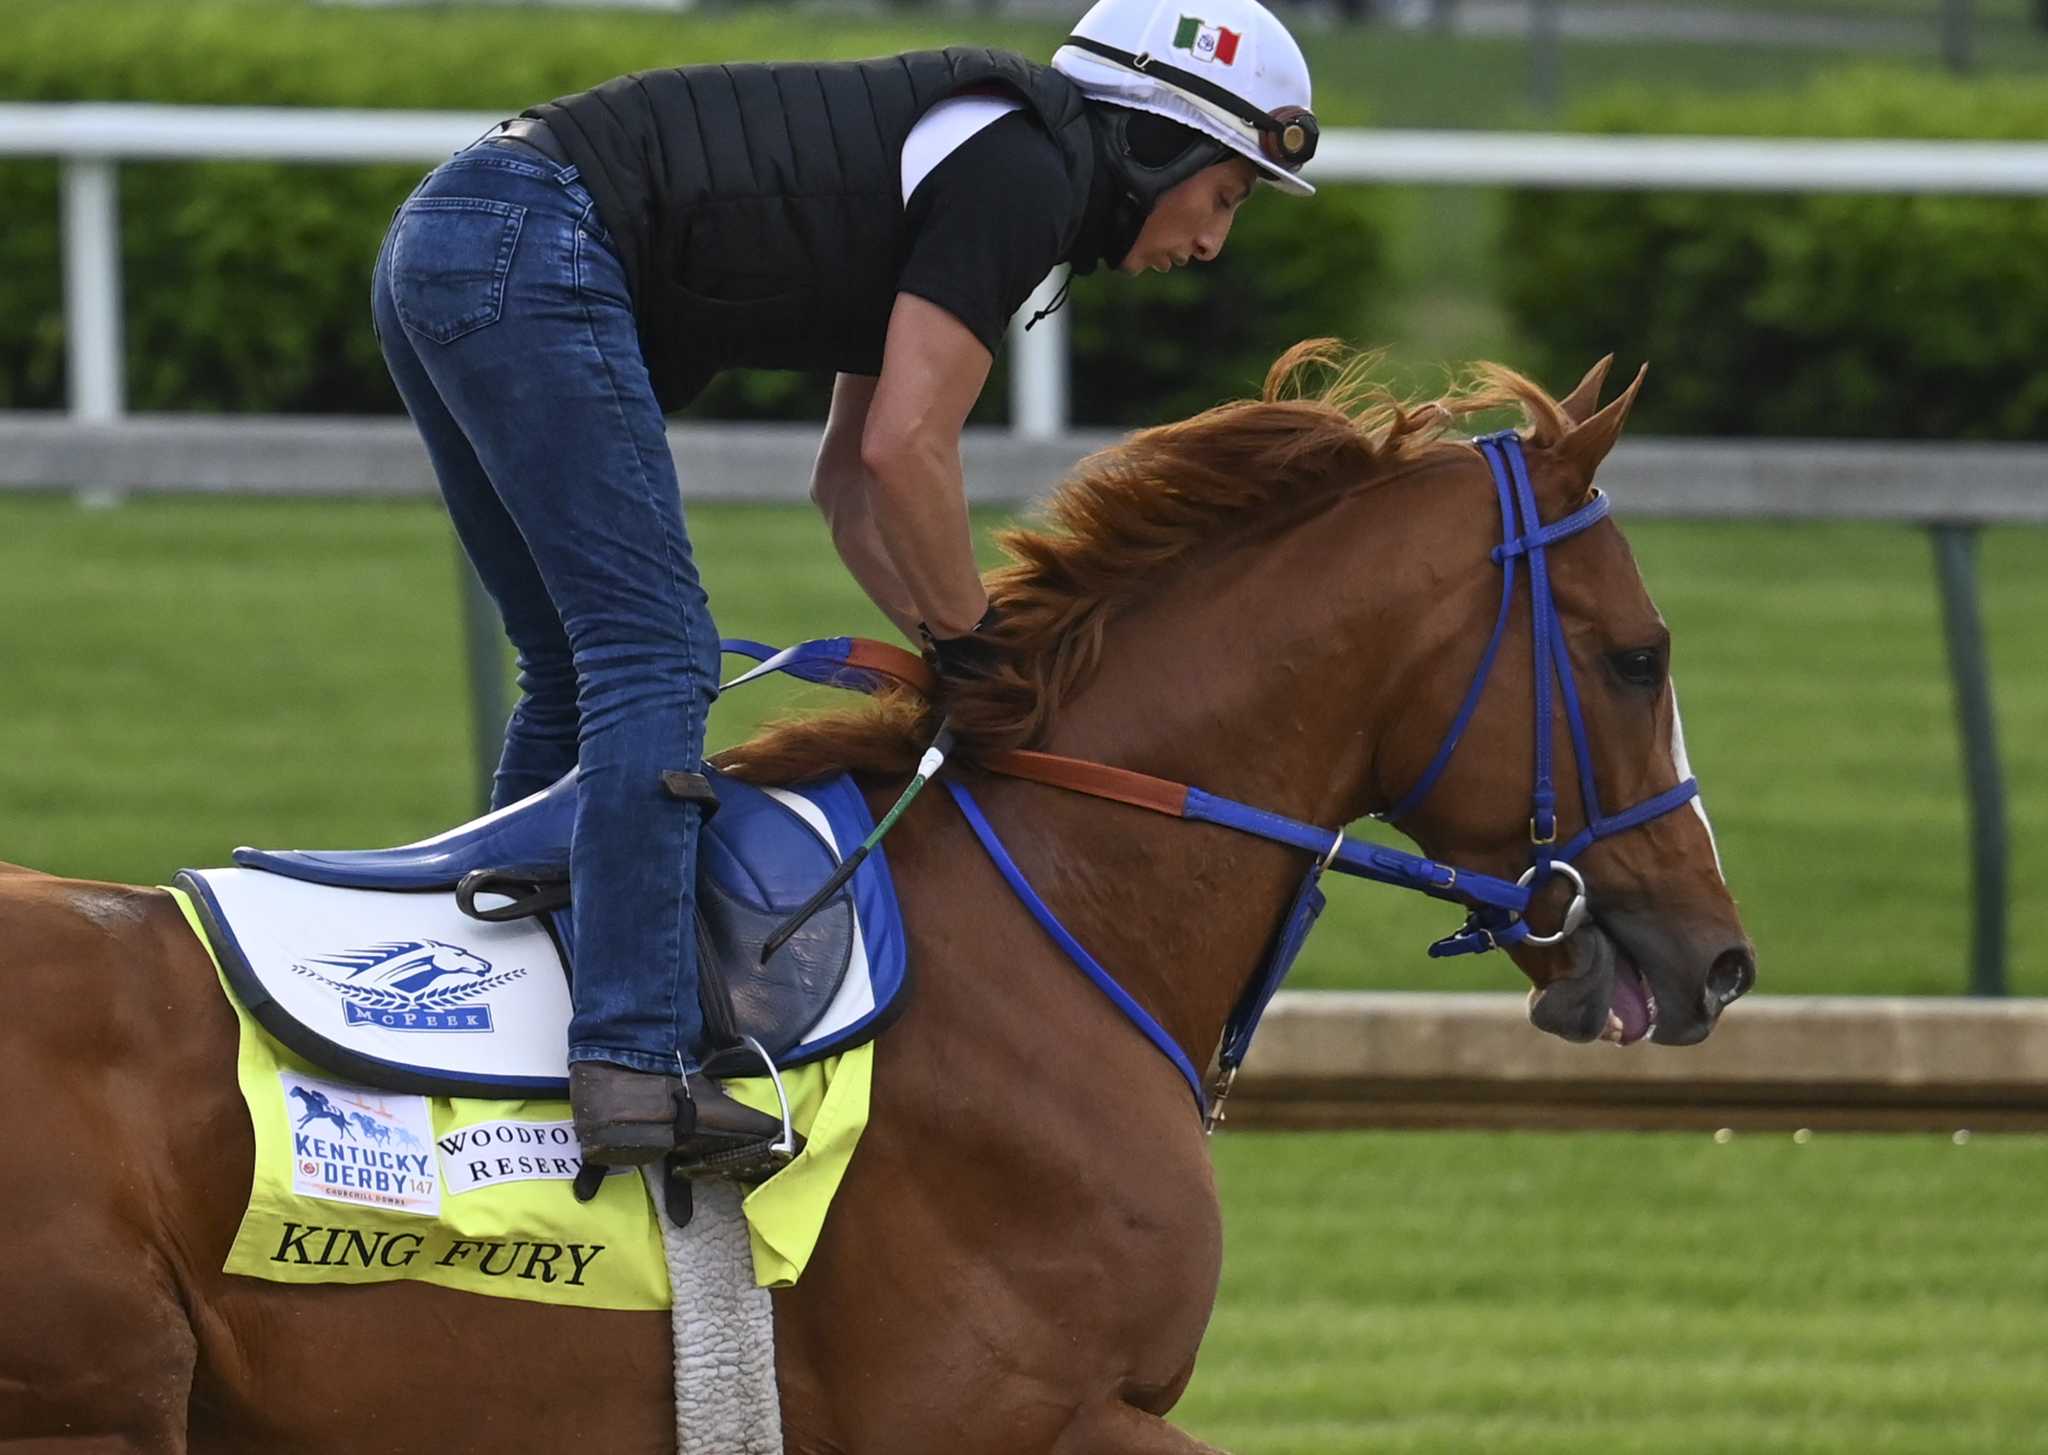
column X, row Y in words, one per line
column 1497, row 906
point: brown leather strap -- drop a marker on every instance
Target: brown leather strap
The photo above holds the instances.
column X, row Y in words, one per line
column 1097, row 780
column 893, row 662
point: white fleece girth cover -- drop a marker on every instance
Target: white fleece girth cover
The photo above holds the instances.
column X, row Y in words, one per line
column 727, row 1402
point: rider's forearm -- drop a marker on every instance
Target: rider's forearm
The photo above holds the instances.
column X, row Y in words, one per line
column 840, row 488
column 918, row 502
column 860, row 546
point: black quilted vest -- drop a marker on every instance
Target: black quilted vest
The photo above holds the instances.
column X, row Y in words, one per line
column 759, row 208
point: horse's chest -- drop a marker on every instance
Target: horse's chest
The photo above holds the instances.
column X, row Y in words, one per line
column 1124, row 1255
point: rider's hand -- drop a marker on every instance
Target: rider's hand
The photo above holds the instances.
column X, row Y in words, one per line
column 964, row 658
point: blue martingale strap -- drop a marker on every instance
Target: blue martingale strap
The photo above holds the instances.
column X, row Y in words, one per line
column 1244, row 1018
column 1135, row 1013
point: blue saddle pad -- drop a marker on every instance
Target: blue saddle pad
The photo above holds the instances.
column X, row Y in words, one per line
column 361, row 961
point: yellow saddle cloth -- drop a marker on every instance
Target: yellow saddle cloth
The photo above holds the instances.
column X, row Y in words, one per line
column 356, row 1185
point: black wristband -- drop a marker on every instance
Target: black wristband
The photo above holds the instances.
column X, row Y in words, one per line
column 971, row 655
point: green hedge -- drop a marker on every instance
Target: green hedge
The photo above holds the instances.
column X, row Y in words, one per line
column 246, row 285
column 1814, row 315
column 1155, row 348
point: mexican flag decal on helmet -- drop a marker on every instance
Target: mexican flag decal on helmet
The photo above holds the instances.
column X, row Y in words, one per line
column 1208, row 42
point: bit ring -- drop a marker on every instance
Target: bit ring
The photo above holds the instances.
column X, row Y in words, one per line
column 1573, row 916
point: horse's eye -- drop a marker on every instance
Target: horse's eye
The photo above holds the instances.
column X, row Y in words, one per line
column 1643, row 666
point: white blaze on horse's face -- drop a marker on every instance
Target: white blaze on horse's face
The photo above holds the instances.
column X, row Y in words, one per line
column 1682, row 766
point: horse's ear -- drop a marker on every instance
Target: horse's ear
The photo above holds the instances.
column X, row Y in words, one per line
column 1590, row 439
column 1578, row 406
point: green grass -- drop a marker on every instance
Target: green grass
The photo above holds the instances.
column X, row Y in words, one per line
column 1529, row 1294
column 186, row 675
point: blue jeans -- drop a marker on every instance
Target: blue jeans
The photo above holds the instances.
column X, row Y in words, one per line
column 502, row 309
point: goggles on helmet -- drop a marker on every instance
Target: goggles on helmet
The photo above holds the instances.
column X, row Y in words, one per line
column 1287, row 134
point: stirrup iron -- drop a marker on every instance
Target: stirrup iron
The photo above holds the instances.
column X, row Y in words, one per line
column 749, row 1164
column 783, row 1147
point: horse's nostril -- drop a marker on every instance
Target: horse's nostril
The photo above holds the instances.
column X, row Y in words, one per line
column 1730, row 978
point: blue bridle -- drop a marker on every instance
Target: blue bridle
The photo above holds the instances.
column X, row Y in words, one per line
column 1497, row 907
column 1489, row 925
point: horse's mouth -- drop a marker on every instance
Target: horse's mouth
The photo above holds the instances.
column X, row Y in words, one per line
column 1632, row 1013
column 1605, row 997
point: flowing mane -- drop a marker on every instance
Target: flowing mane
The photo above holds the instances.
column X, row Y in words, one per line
column 1129, row 516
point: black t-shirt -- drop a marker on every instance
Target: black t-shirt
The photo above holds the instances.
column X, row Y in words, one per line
column 985, row 224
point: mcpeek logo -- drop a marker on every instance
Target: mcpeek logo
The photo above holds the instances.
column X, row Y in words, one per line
column 1208, row 42
column 354, row 1145
column 410, row 985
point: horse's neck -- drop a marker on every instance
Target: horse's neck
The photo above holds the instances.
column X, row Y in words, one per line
column 1274, row 705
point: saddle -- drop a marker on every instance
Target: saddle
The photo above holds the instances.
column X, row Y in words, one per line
column 757, row 862
column 396, row 966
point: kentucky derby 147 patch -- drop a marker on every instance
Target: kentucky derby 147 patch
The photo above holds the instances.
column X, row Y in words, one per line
column 372, row 1148
column 1207, row 42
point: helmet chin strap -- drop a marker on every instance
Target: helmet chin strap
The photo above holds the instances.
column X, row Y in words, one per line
column 1139, row 186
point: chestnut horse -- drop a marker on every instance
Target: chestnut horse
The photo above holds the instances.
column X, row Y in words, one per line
column 1281, row 600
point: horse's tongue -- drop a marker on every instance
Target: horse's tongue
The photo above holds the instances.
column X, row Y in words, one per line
column 1631, row 1003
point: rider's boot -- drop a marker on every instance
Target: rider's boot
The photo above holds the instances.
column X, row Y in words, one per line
column 728, row 1139
column 625, row 1118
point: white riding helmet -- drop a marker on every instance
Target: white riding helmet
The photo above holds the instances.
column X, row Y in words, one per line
column 1225, row 68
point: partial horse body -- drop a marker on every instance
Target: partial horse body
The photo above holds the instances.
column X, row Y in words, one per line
column 1281, row 601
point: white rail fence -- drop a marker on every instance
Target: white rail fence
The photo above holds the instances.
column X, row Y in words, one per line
column 1332, row 1058
column 1905, row 482
column 91, row 139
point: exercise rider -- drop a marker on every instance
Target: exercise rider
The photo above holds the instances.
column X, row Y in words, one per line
column 547, row 294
